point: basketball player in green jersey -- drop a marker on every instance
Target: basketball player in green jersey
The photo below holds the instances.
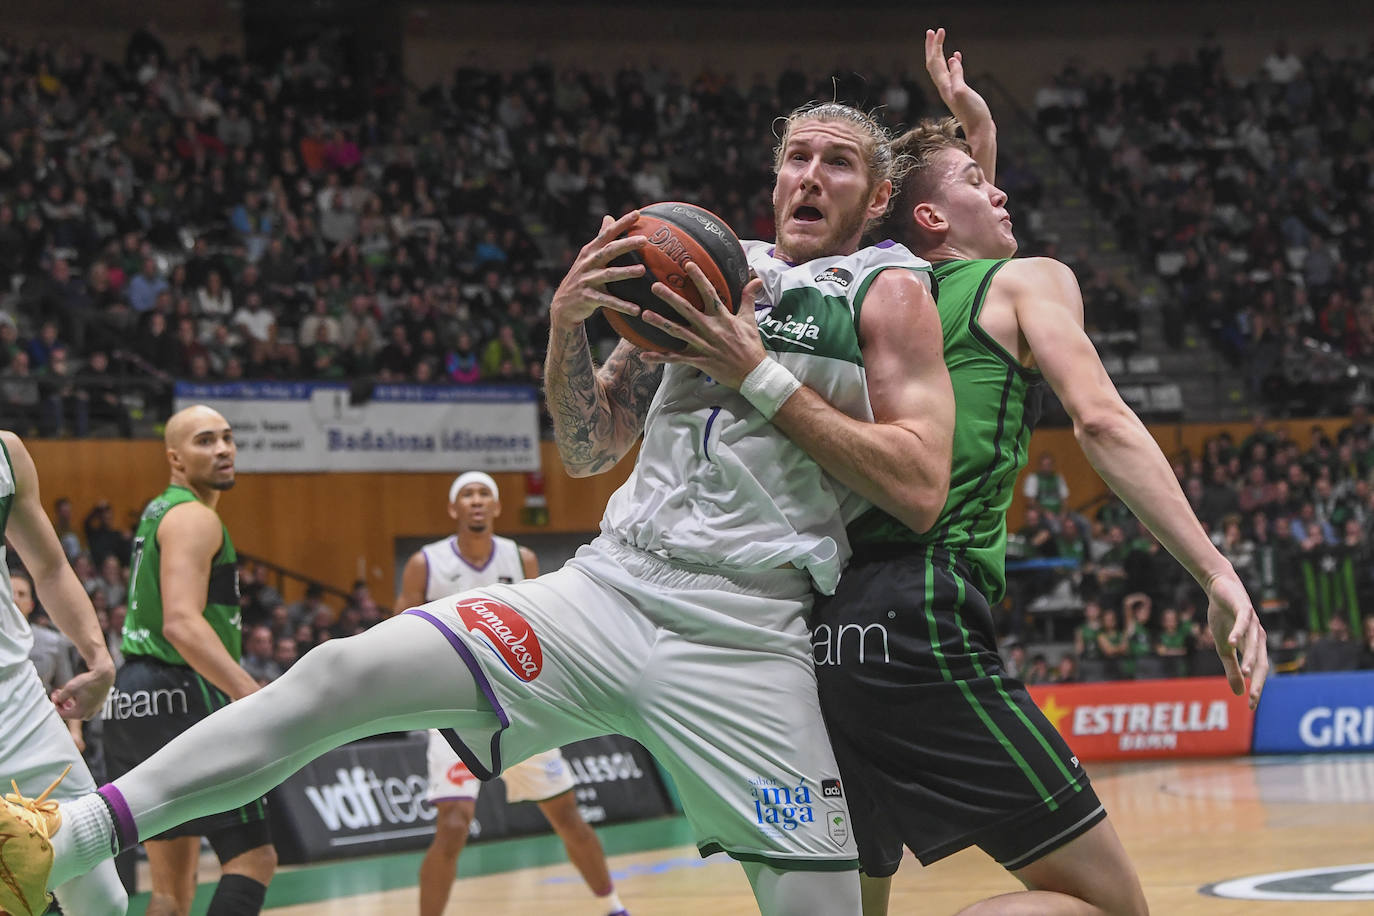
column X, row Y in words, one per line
column 182, row 643
column 939, row 749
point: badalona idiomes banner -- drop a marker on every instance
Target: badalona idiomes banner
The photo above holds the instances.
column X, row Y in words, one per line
column 326, row 426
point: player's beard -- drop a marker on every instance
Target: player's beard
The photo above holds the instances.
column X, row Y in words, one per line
column 834, row 242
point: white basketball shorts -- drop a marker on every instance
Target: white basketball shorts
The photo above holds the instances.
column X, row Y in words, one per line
column 537, row 779
column 711, row 673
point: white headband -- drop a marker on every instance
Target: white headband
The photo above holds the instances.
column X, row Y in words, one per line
column 472, row 477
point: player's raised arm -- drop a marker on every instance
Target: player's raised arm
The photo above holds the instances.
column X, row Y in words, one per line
column 968, row 107
column 59, row 589
column 1049, row 311
column 597, row 414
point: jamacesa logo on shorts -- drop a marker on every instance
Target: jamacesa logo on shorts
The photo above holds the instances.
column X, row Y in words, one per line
column 508, row 635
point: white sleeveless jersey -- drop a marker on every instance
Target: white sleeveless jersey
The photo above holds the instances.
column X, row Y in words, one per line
column 450, row 573
column 716, row 485
column 16, row 639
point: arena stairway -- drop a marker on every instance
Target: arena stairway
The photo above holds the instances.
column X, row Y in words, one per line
column 1161, row 383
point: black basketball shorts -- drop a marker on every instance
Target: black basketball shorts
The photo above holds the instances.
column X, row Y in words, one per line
column 938, row 749
column 152, row 703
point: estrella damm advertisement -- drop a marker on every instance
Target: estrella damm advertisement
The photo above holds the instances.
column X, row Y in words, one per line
column 1134, row 720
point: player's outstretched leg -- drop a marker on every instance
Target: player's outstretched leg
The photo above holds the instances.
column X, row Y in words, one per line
column 1088, row 876
column 342, row 690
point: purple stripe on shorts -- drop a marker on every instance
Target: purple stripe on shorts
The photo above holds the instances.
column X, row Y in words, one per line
column 126, row 832
column 459, row 746
column 444, row 798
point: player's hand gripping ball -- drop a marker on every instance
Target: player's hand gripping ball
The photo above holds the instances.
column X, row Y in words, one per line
column 677, row 233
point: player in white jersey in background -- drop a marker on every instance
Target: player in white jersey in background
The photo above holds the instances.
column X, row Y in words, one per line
column 35, row 744
column 473, row 556
column 684, row 624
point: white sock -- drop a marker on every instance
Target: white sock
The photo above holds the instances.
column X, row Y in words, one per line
column 612, row 903
column 85, row 839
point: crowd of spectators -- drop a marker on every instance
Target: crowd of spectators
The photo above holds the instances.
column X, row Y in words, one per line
column 207, row 218
column 1252, row 195
column 1297, row 525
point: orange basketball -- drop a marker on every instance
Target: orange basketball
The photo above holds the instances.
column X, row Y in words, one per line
column 678, row 233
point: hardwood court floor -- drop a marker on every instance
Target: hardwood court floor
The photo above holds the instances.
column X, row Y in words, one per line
column 1186, row 825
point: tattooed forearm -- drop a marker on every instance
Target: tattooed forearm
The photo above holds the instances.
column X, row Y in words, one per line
column 581, row 417
column 630, row 386
column 597, row 416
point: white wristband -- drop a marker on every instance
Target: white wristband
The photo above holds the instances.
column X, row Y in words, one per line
column 767, row 386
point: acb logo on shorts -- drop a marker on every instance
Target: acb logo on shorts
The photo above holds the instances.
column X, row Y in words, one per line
column 459, row 773
column 508, row 635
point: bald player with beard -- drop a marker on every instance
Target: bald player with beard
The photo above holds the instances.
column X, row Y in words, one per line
column 182, row 645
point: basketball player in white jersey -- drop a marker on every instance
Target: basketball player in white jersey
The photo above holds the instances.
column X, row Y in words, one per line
column 36, row 746
column 683, row 625
column 475, row 556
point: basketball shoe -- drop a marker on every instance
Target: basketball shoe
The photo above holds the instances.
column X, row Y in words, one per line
column 25, row 852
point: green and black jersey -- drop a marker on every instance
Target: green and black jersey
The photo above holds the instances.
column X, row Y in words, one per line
column 1330, row 580
column 143, row 625
column 997, row 402
column 1088, row 634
